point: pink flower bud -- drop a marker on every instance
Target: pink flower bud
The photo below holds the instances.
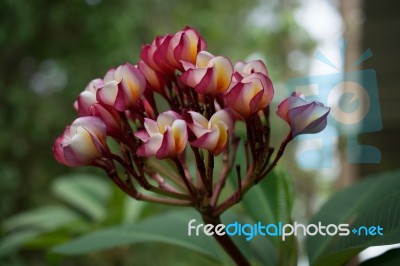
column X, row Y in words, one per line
column 211, row 135
column 249, row 95
column 166, row 137
column 82, row 142
column 166, row 52
column 211, row 74
column 154, row 78
column 303, row 117
column 122, row 88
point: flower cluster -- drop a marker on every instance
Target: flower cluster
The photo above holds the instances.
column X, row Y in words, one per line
column 206, row 97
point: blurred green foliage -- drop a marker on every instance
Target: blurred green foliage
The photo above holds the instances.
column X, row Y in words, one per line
column 50, row 50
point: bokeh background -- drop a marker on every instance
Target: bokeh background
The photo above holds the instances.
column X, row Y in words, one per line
column 50, row 50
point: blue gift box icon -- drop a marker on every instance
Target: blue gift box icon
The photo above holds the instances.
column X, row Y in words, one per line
column 354, row 101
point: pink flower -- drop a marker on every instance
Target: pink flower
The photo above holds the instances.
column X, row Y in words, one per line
column 249, row 95
column 82, row 142
column 303, row 117
column 211, row 74
column 256, row 66
column 166, row 52
column 166, row 137
column 211, row 135
column 122, row 87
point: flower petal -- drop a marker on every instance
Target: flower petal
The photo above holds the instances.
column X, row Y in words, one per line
column 151, row 146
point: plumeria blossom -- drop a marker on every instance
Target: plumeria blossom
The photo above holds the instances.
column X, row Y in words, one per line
column 212, row 134
column 166, row 52
column 211, row 74
column 122, row 87
column 87, row 98
column 166, row 137
column 202, row 94
column 82, row 142
column 303, row 117
column 249, row 95
column 256, row 66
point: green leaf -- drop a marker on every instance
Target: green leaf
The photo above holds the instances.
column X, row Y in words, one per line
column 371, row 202
column 169, row 228
column 389, row 258
column 86, row 193
column 11, row 243
column 43, row 219
column 270, row 201
column 29, row 225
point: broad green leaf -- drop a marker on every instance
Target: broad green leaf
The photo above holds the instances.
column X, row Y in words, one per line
column 371, row 202
column 12, row 242
column 169, row 228
column 43, row 219
column 86, row 193
column 28, row 225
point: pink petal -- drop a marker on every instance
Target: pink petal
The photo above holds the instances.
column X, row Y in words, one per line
column 151, row 146
column 142, row 135
column 90, row 123
column 167, row 148
column 107, row 93
column 179, row 131
column 109, row 76
column 151, row 126
column 203, row 59
column 192, row 77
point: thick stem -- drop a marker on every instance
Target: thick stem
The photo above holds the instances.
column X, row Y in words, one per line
column 226, row 242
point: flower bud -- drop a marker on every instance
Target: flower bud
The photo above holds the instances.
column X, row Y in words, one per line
column 166, row 52
column 211, row 74
column 82, row 142
column 88, row 97
column 122, row 88
column 303, row 117
column 249, row 95
column 211, row 135
column 166, row 137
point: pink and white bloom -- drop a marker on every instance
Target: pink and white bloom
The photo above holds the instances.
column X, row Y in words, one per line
column 122, row 87
column 82, row 142
column 166, row 52
column 256, row 66
column 211, row 135
column 166, row 137
column 249, row 95
column 88, row 97
column 211, row 74
column 303, row 117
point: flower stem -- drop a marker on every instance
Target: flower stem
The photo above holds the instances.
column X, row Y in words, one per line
column 226, row 242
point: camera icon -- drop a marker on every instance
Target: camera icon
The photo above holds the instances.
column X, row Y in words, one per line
column 354, row 102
